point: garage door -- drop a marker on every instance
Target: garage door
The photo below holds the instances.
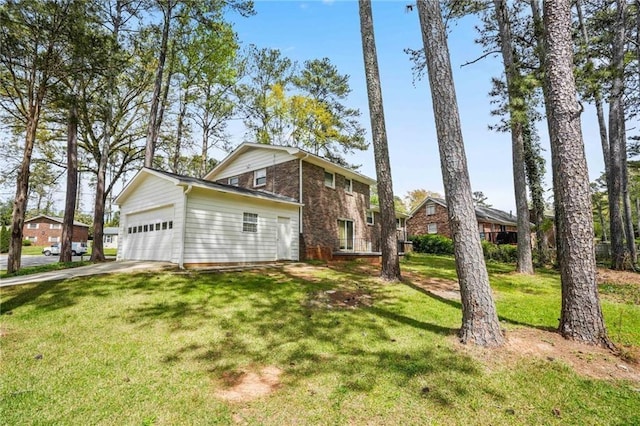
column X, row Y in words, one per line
column 149, row 235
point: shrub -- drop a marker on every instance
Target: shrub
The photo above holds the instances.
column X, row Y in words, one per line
column 432, row 244
column 499, row 253
column 4, row 239
column 26, row 243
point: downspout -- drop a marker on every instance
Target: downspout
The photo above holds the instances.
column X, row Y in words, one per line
column 184, row 226
column 300, row 227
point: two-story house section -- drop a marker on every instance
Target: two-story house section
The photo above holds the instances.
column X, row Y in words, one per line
column 334, row 199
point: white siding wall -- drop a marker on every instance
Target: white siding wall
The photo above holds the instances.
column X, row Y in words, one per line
column 254, row 159
column 153, row 193
column 214, row 229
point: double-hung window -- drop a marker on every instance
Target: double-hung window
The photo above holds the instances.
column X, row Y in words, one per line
column 249, row 222
column 431, row 209
column 432, row 228
column 329, row 179
column 233, row 181
column 348, row 186
column 260, row 177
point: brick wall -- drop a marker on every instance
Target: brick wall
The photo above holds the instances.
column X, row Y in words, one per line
column 324, row 206
column 42, row 234
column 280, row 179
column 418, row 224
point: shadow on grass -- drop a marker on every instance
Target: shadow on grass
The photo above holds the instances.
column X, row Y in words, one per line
column 458, row 305
column 26, row 294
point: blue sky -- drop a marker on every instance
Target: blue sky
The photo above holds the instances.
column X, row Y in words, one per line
column 304, row 30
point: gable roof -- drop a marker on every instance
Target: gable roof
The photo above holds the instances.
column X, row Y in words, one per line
column 294, row 152
column 180, row 180
column 55, row 219
column 486, row 213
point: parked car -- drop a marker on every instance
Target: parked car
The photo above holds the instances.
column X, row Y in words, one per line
column 77, row 249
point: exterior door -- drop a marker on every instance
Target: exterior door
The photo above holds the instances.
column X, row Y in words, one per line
column 345, row 234
column 283, row 243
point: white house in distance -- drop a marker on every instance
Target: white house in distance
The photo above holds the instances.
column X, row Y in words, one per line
column 110, row 237
column 194, row 222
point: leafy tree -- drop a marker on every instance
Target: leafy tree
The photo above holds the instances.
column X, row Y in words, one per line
column 479, row 317
column 320, row 80
column 31, row 40
column 390, row 260
column 479, row 199
column 266, row 69
column 417, row 196
column 581, row 316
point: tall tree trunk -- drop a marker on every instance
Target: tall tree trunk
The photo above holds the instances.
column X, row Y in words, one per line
column 603, row 223
column 152, row 127
column 97, row 250
column 581, row 317
column 479, row 318
column 390, row 261
column 517, row 118
column 22, row 185
column 597, row 96
column 618, row 148
column 181, row 117
column 538, row 30
column 534, row 176
column 72, row 183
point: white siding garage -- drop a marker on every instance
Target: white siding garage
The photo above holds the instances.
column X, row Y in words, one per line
column 150, row 235
column 194, row 222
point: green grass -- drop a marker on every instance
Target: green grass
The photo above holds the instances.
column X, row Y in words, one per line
column 45, row 268
column 154, row 349
column 31, row 250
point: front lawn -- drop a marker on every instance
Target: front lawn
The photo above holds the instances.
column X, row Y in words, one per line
column 297, row 345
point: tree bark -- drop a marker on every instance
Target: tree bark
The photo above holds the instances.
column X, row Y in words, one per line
column 390, row 262
column 72, row 183
column 617, row 140
column 22, row 185
column 152, row 128
column 517, row 118
column 581, row 316
column 479, row 318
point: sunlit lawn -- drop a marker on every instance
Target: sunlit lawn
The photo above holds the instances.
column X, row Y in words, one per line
column 155, row 349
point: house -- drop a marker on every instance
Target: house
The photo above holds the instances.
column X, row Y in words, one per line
column 261, row 203
column 192, row 222
column 110, row 237
column 44, row 230
column 431, row 217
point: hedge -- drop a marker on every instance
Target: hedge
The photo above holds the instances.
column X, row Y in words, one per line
column 438, row 244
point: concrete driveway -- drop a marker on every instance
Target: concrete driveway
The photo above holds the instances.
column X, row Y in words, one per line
column 84, row 271
column 37, row 260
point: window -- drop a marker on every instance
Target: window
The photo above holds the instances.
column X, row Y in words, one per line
column 431, row 209
column 32, row 239
column 369, row 217
column 249, row 222
column 139, row 228
column 146, row 228
column 399, row 223
column 260, row 177
column 158, row 226
column 432, row 228
column 135, row 229
column 55, row 226
column 345, row 234
column 233, row 181
column 54, row 239
column 108, row 239
column 348, row 186
column 170, row 224
column 32, row 225
column 164, row 226
column 128, row 230
column 151, row 225
column 329, row 179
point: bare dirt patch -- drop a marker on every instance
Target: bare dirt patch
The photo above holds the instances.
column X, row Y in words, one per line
column 247, row 385
column 341, row 299
column 589, row 361
column 618, row 277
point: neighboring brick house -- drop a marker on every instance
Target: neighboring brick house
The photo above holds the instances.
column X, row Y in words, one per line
column 431, row 217
column 335, row 200
column 43, row 230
